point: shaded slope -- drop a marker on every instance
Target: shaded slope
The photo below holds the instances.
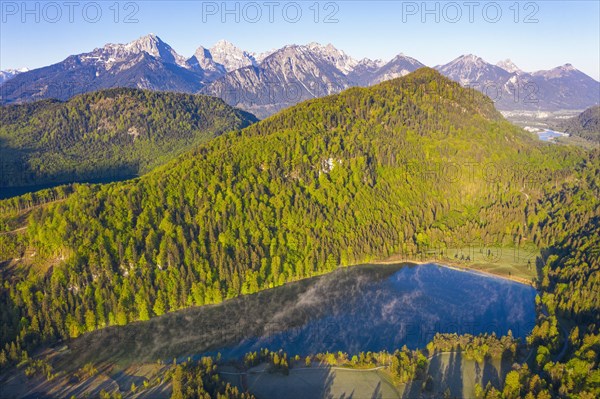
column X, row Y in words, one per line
column 109, row 134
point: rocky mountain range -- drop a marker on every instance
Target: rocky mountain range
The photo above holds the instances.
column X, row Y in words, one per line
column 265, row 83
column 286, row 77
column 512, row 89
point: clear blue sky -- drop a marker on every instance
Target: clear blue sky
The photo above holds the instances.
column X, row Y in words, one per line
column 541, row 35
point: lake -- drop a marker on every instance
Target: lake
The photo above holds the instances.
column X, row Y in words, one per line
column 361, row 309
column 353, row 309
column 550, row 135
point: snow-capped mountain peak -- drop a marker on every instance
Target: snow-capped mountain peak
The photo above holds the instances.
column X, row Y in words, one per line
column 567, row 67
column 261, row 56
column 16, row 70
column 562, row 71
column 202, row 53
column 224, row 57
column 509, row 66
column 400, row 65
column 225, row 45
column 402, row 57
column 369, row 63
column 231, row 57
column 471, row 59
column 203, row 60
column 472, row 70
column 337, row 58
column 11, row 73
column 150, row 44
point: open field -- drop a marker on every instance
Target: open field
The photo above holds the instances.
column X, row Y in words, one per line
column 517, row 264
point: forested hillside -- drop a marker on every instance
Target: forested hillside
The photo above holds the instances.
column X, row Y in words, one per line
column 566, row 339
column 395, row 168
column 110, row 134
column 586, row 125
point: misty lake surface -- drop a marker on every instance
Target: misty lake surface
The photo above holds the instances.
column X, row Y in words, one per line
column 383, row 307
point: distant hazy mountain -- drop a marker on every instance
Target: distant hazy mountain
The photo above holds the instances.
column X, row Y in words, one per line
column 565, row 87
column 267, row 82
column 10, row 73
column 512, row 89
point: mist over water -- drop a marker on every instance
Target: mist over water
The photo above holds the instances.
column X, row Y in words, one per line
column 373, row 308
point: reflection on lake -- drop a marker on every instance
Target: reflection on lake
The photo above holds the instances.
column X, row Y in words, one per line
column 363, row 309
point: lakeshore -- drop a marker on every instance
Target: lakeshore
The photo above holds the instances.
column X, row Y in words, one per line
column 504, row 271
